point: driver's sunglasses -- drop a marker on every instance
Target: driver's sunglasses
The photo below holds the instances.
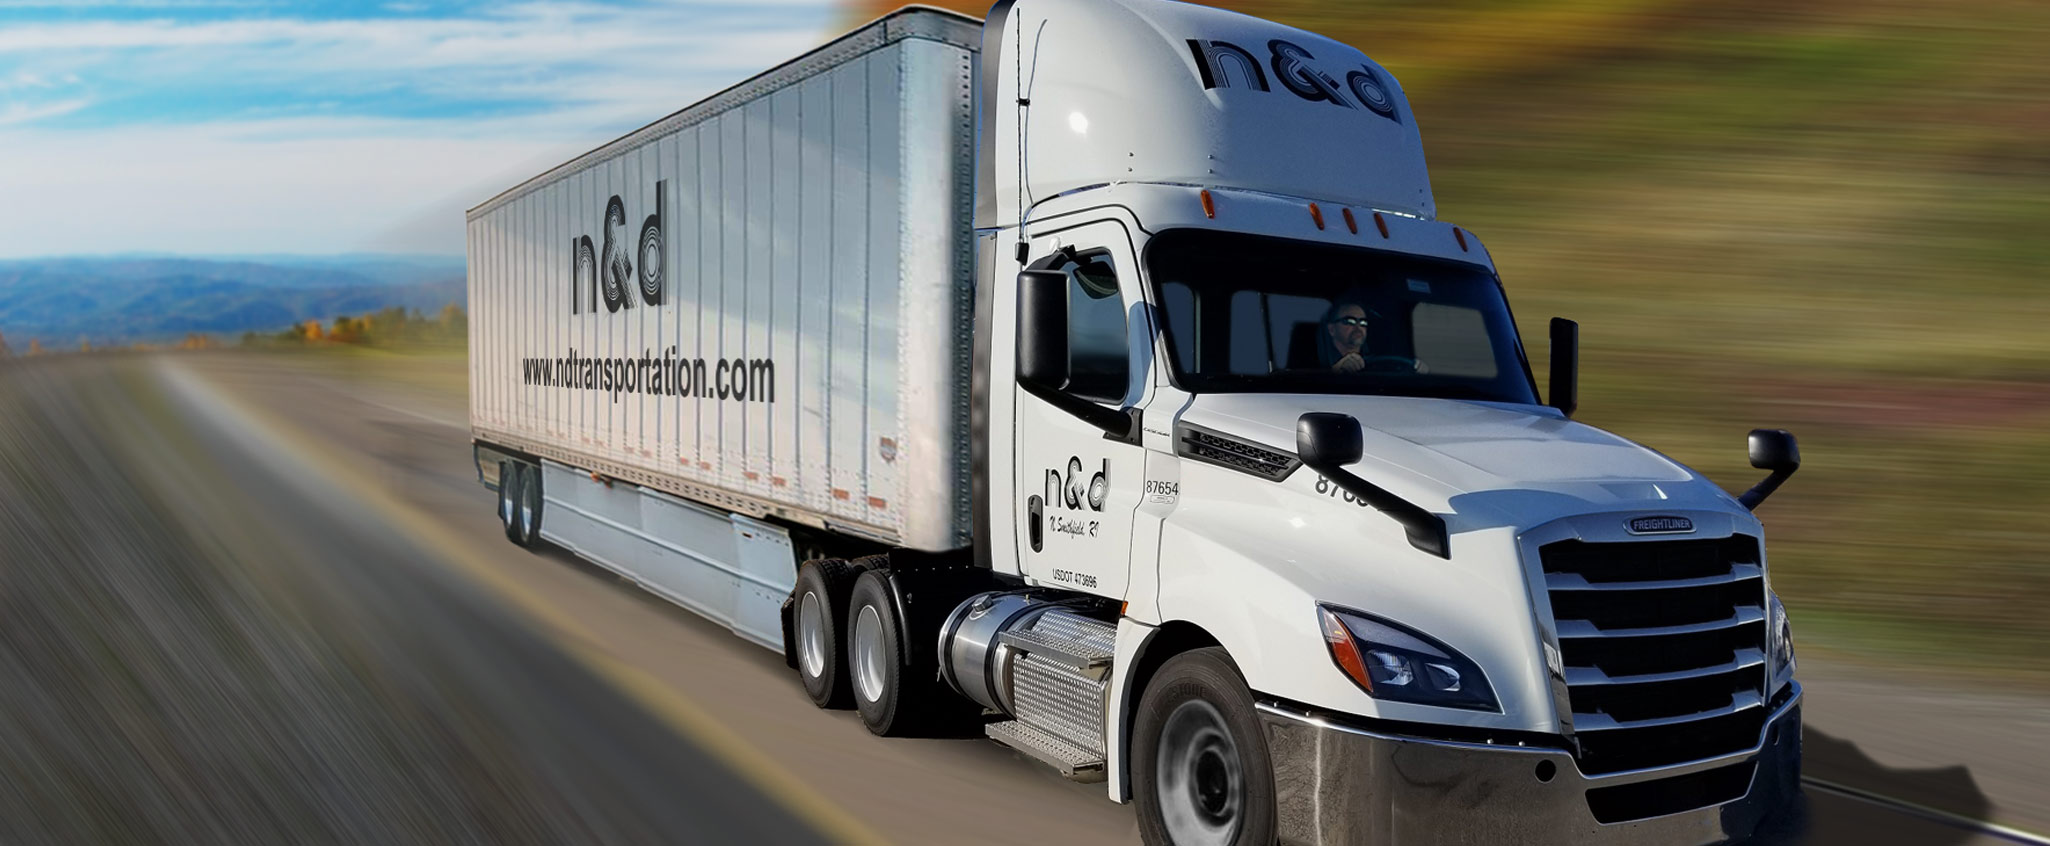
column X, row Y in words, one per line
column 1352, row 321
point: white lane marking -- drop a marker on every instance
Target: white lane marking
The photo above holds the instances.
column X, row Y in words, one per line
column 1959, row 820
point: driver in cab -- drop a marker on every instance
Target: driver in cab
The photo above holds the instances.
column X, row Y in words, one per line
column 1342, row 346
column 1344, row 339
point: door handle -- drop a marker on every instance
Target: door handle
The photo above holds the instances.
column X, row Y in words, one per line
column 1035, row 518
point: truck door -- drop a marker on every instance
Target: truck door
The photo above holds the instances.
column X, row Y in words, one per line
column 1078, row 488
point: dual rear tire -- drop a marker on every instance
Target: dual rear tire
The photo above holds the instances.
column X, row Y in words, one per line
column 519, row 502
column 819, row 631
column 853, row 648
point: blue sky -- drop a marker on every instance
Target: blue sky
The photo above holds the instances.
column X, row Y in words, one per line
column 260, row 126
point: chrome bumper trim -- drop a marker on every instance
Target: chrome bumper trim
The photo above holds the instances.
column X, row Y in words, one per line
column 1340, row 784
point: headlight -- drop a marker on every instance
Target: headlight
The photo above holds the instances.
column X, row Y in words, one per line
column 1782, row 645
column 1397, row 664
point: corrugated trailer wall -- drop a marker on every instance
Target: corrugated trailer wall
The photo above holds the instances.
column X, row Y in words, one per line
column 806, row 351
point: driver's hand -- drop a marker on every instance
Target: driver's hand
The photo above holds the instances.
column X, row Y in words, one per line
column 1351, row 363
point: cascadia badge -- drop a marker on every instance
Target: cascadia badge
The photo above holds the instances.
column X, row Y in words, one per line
column 1660, row 525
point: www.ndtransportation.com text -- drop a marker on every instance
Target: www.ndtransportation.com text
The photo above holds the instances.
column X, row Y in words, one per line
column 744, row 379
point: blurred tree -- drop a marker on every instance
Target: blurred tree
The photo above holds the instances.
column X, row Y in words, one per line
column 35, row 347
column 392, row 326
column 453, row 320
column 347, row 330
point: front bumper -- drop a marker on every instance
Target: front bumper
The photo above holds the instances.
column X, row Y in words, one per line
column 1338, row 784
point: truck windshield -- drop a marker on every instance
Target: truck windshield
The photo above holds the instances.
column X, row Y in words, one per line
column 1247, row 313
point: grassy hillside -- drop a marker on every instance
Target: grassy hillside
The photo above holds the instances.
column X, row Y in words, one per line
column 1826, row 217
column 118, row 301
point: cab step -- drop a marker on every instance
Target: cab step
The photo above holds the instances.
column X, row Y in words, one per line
column 1073, row 762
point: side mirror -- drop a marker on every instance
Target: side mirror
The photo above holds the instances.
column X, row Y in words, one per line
column 1043, row 354
column 1774, row 450
column 1565, row 389
column 1043, row 329
column 1327, row 442
column 1328, row 439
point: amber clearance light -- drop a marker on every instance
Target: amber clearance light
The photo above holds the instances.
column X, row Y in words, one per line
column 1344, row 652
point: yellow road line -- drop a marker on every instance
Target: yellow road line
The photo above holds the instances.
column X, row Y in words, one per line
column 682, row 715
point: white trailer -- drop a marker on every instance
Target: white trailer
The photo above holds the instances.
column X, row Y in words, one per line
column 1101, row 379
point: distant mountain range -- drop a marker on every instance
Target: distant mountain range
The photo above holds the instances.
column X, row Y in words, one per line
column 121, row 300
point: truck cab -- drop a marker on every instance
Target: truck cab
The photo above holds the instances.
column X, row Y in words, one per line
column 1246, row 385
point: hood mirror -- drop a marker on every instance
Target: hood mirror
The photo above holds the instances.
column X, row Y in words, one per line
column 1774, row 450
column 1327, row 441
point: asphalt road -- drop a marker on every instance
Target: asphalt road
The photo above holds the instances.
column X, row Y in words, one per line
column 246, row 600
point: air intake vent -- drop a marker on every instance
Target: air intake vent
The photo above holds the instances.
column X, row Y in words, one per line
column 1213, row 447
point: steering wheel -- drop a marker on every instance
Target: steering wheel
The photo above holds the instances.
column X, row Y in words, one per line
column 1390, row 364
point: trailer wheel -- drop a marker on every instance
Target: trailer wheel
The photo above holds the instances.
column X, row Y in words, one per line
column 877, row 661
column 819, row 626
column 528, row 526
column 1202, row 772
column 509, row 499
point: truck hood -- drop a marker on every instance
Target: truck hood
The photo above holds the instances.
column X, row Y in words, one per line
column 1496, row 473
column 1432, row 451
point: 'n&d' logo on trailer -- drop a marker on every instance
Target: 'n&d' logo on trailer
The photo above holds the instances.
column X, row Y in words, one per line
column 612, row 271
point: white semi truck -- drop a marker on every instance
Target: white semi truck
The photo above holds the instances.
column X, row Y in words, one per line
column 1100, row 378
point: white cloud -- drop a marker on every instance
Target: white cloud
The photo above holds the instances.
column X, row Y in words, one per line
column 579, row 75
column 14, row 114
column 239, row 189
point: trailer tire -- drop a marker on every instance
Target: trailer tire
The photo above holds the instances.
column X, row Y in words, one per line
column 509, row 499
column 528, row 526
column 819, row 627
column 891, row 705
column 1202, row 772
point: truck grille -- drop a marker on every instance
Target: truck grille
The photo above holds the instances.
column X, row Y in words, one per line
column 1664, row 648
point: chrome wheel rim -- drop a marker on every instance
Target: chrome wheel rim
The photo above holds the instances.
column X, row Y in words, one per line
column 505, row 496
column 868, row 653
column 811, row 635
column 1197, row 780
column 531, row 504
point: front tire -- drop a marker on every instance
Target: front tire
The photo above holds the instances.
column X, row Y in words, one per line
column 1203, row 776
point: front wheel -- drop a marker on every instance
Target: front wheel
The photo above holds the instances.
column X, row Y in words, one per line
column 1203, row 776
